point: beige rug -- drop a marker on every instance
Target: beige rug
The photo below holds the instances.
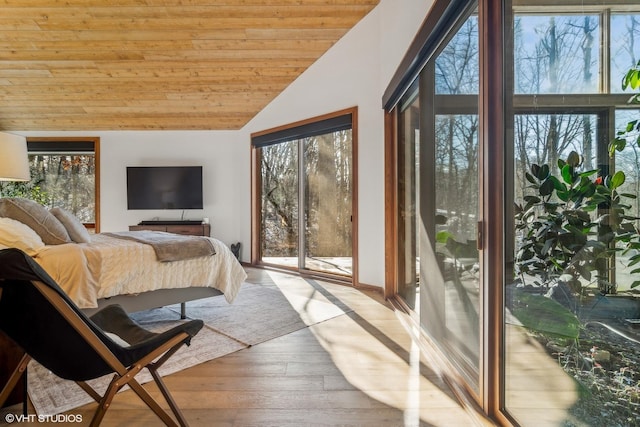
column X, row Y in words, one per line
column 258, row 314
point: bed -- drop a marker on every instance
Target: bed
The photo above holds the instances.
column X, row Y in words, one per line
column 100, row 269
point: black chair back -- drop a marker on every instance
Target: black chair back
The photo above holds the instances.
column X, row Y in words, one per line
column 36, row 325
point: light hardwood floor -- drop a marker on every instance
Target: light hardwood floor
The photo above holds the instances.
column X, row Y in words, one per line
column 357, row 369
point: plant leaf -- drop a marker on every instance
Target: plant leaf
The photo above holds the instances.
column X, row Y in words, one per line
column 559, row 186
column 443, row 236
column 532, row 199
column 589, row 172
column 630, row 126
column 543, row 173
column 563, row 195
column 617, row 179
column 530, row 178
column 545, row 315
column 546, row 188
column 567, row 174
column 574, row 159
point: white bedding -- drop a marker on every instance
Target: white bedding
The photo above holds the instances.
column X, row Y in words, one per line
column 109, row 266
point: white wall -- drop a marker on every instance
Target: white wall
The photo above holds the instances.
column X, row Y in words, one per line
column 354, row 72
column 217, row 151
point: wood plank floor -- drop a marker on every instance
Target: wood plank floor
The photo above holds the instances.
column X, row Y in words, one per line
column 357, row 369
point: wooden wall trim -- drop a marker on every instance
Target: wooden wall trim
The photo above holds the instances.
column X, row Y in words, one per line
column 355, row 275
column 256, row 184
column 493, row 107
column 353, row 111
column 390, row 204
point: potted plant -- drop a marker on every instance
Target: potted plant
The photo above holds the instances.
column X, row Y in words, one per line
column 573, row 226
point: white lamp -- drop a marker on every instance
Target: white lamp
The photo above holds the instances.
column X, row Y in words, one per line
column 14, row 160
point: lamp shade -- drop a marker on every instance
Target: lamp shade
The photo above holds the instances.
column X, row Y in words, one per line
column 14, row 160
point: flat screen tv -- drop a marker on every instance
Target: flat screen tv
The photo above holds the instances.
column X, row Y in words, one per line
column 164, row 187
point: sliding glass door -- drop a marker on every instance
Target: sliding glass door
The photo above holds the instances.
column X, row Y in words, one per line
column 438, row 198
column 516, row 166
column 306, row 196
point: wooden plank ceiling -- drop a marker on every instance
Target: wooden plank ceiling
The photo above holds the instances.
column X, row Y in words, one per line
column 157, row 64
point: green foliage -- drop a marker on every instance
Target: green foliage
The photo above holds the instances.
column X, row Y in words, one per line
column 544, row 315
column 26, row 190
column 572, row 226
column 631, row 132
column 632, row 79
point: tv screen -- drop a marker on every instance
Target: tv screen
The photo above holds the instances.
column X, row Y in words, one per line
column 164, row 187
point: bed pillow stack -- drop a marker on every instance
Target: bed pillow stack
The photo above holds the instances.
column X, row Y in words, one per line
column 36, row 217
column 53, row 227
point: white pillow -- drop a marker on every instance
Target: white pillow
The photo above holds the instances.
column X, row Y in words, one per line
column 14, row 234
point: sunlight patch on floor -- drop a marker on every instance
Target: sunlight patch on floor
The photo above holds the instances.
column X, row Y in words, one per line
column 373, row 351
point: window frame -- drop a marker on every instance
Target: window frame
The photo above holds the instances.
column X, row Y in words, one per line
column 291, row 131
column 96, row 152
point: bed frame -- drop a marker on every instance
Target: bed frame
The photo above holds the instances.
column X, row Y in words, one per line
column 157, row 298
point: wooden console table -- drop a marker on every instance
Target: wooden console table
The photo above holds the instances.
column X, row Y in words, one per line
column 186, row 229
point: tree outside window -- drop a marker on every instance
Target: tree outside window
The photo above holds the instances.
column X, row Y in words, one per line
column 63, row 174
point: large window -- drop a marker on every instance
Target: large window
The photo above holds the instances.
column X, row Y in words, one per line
column 575, row 223
column 553, row 283
column 64, row 173
column 306, row 195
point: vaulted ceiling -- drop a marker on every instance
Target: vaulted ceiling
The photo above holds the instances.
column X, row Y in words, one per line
column 157, row 64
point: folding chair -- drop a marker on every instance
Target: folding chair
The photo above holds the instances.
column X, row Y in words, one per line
column 37, row 314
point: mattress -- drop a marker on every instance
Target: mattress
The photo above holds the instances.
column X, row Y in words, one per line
column 109, row 266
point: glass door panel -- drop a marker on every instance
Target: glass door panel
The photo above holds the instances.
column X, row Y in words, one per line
column 449, row 191
column 456, row 217
column 456, row 196
column 307, row 196
column 279, row 192
column 409, row 198
column 327, row 203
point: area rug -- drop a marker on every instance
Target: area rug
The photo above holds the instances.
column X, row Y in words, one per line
column 258, row 314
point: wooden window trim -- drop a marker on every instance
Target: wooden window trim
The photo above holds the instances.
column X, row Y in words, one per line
column 256, row 184
column 96, row 146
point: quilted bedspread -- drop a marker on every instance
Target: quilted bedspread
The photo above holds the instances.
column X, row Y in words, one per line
column 109, row 266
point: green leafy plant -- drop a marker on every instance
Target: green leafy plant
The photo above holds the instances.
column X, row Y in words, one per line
column 631, row 132
column 25, row 190
column 545, row 315
column 572, row 227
